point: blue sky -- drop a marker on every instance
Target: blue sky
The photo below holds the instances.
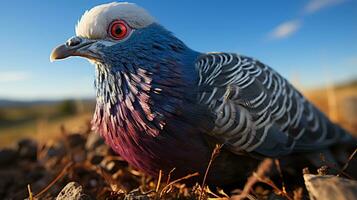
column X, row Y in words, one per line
column 307, row 41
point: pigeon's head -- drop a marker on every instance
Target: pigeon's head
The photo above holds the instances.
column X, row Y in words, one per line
column 116, row 32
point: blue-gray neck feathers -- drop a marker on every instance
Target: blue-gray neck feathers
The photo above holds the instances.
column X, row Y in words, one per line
column 144, row 80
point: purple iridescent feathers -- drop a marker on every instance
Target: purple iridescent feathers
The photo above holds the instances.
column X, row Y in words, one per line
column 139, row 92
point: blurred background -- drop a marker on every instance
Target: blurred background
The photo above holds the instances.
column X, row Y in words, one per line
column 312, row 43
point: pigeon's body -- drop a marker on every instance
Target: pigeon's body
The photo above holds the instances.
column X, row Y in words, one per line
column 134, row 98
column 161, row 105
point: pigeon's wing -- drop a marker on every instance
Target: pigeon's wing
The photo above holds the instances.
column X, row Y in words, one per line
column 256, row 110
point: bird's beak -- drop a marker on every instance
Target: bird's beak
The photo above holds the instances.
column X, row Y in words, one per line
column 75, row 46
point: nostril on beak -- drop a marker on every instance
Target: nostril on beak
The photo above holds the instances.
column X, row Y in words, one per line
column 74, row 41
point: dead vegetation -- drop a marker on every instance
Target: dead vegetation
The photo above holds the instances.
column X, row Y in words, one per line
column 98, row 173
column 79, row 163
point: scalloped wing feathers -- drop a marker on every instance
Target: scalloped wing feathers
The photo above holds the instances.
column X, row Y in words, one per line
column 256, row 110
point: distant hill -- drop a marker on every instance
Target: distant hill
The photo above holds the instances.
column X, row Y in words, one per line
column 347, row 84
column 16, row 103
column 25, row 117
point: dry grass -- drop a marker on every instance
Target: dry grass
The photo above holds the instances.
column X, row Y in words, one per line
column 124, row 182
column 44, row 129
column 339, row 103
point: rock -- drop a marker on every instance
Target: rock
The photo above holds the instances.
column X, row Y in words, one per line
column 273, row 196
column 56, row 149
column 113, row 166
column 103, row 150
column 136, row 195
column 93, row 183
column 79, row 156
column 55, row 152
column 95, row 159
column 323, row 170
column 76, row 140
column 34, row 174
column 94, row 140
column 328, row 187
column 27, row 149
column 7, row 156
column 72, row 191
column 7, row 179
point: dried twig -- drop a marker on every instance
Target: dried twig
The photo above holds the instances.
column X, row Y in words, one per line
column 176, row 181
column 169, row 175
column 239, row 196
column 158, row 181
column 298, row 193
column 109, row 180
column 263, row 167
column 336, row 168
column 215, row 153
column 60, row 175
column 277, row 163
column 30, row 192
column 221, row 192
column 348, row 162
column 269, row 182
column 260, row 176
column 209, row 191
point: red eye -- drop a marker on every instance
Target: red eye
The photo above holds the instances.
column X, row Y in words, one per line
column 118, row 30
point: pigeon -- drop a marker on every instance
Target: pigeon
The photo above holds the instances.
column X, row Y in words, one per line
column 162, row 105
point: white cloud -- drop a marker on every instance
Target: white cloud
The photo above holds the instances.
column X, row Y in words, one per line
column 11, row 76
column 285, row 29
column 316, row 5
